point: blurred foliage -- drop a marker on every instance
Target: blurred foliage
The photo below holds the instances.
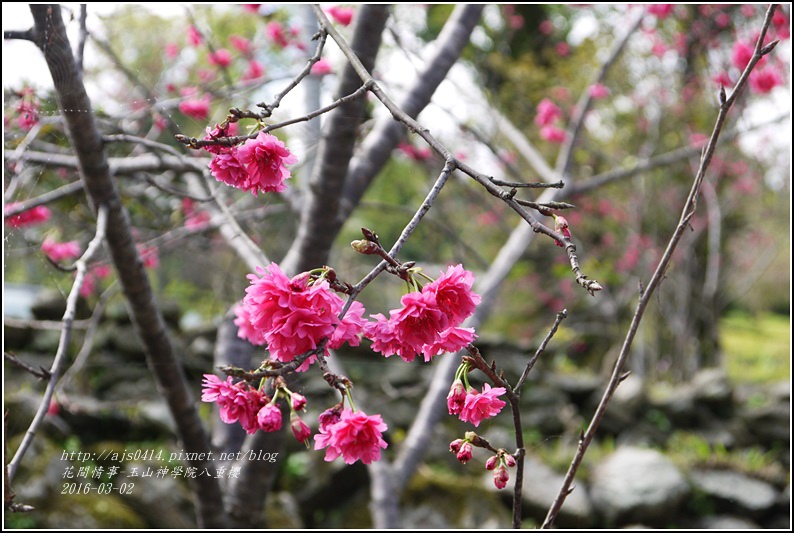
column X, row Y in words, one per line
column 757, row 348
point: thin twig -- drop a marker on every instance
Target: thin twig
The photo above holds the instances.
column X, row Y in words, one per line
column 24, row 35
column 42, row 373
column 686, row 214
column 63, row 345
column 562, row 315
column 532, row 185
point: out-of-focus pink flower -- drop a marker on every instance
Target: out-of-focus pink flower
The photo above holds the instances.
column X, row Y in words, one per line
column 342, row 15
column 194, row 37
column 254, row 70
column 742, row 54
column 562, row 49
column 321, row 68
column 28, row 114
column 241, row 44
column 661, row 11
column 748, row 10
column 479, row 406
column 552, row 134
column 456, row 397
column 561, row 226
column 196, row 108
column 417, row 154
column 220, row 58
column 515, row 22
column 355, row 436
column 500, row 477
column 31, row 217
column 546, row 27
column 764, row 80
column 697, row 139
column 275, row 32
column 723, row 79
column 188, row 91
column 150, row 256
column 58, row 251
column 659, row 49
column 781, row 22
column 269, row 418
column 265, row 158
column 299, row 428
column 89, row 285
column 598, row 91
column 251, row 8
column 160, row 122
column 54, row 408
column 102, row 271
column 722, row 20
column 171, row 50
column 547, row 112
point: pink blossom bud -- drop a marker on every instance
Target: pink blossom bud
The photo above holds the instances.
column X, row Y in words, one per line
column 500, row 477
column 299, row 428
column 464, row 455
column 456, row 398
column 454, row 446
column 329, row 417
column 491, row 463
column 298, row 401
column 269, row 418
column 364, row 247
column 510, row 460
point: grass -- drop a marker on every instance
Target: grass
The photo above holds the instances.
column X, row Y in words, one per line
column 756, row 347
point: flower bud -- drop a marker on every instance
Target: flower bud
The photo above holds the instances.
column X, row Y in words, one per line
column 491, row 463
column 299, row 428
column 454, row 446
column 464, row 455
column 510, row 460
column 456, row 397
column 500, row 477
column 298, row 401
column 364, row 247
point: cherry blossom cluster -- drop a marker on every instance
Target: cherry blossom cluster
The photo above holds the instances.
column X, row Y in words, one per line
column 252, row 408
column 428, row 323
column 257, row 165
column 293, row 316
column 31, row 217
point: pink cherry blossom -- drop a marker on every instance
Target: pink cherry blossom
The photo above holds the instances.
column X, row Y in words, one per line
column 479, row 406
column 563, row 49
column 742, row 54
column 194, row 36
column 246, row 330
column 723, row 79
column 89, row 285
column 58, row 251
column 292, row 316
column 31, row 217
column 598, row 91
column 451, row 340
column 220, row 58
column 265, row 158
column 149, row 255
column 198, row 108
column 237, row 402
column 546, row 27
column 227, row 168
column 329, row 417
column 252, row 8
column 299, row 428
column 553, row 134
column 321, row 68
column 548, row 112
column 269, row 418
column 342, row 15
column 491, row 463
column 355, row 436
column 453, row 293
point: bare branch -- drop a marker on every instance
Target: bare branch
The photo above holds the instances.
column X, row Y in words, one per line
column 42, row 373
column 562, row 315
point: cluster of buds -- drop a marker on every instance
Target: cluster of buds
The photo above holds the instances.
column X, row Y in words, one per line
column 498, row 463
